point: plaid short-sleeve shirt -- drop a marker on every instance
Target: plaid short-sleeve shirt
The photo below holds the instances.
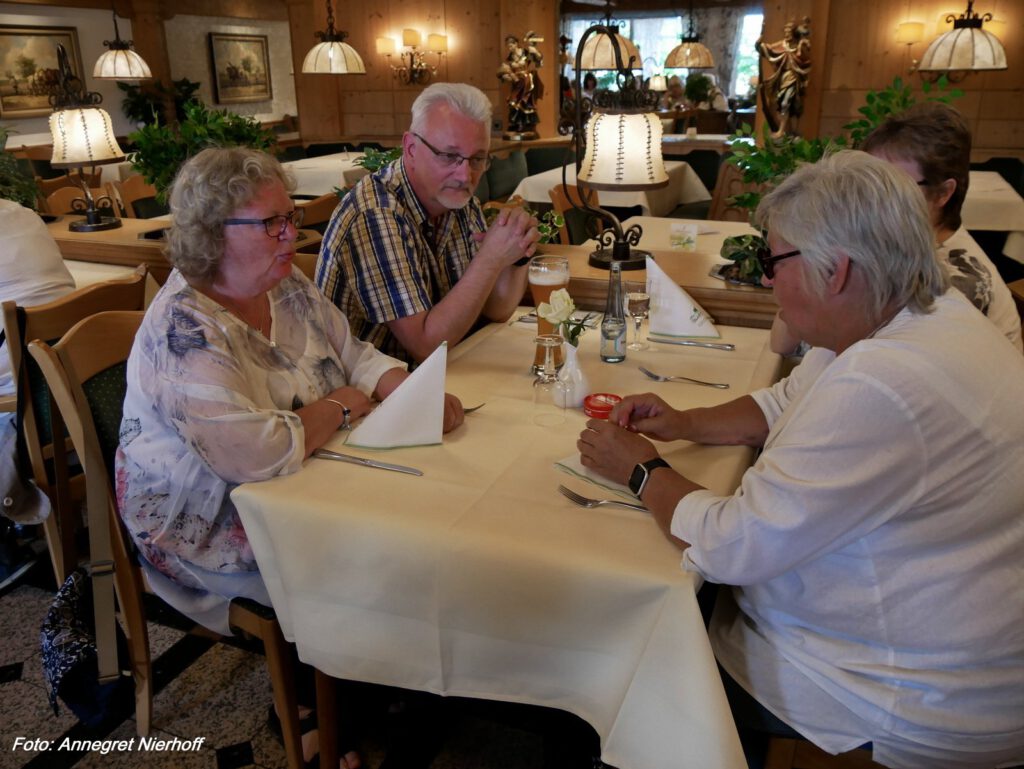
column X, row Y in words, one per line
column 382, row 259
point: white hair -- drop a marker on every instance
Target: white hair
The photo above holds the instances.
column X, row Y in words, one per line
column 461, row 97
column 854, row 204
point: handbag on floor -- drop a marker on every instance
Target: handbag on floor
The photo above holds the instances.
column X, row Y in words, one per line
column 69, row 654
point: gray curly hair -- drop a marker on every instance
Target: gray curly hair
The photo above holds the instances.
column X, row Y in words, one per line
column 208, row 189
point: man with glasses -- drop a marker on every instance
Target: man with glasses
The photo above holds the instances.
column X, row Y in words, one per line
column 874, row 547
column 407, row 255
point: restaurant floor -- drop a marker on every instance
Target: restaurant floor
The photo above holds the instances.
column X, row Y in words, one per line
column 204, row 686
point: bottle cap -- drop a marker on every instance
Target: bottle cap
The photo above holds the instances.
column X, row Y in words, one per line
column 599, row 405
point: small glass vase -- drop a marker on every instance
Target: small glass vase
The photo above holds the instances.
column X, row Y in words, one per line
column 575, row 386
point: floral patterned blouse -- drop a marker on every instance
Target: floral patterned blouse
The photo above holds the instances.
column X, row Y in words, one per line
column 211, row 404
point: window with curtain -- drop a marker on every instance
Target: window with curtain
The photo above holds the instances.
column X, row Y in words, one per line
column 725, row 31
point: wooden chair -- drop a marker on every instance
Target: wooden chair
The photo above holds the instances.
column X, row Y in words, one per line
column 86, row 372
column 730, row 183
column 130, row 192
column 306, row 262
column 50, row 468
column 54, row 183
column 317, row 212
column 578, row 225
column 1017, row 289
column 785, row 753
column 61, row 200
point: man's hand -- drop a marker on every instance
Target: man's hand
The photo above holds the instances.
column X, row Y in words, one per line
column 612, row 450
column 647, row 414
column 512, row 235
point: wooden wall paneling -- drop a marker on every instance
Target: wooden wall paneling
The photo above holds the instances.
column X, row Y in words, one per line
column 149, row 38
column 776, row 16
column 316, row 95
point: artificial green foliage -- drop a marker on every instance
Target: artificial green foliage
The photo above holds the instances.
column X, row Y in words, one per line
column 697, row 88
column 374, row 159
column 161, row 150
column 144, row 103
column 893, row 100
column 14, row 184
column 742, row 250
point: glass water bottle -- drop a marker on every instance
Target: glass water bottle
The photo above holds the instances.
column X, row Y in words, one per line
column 613, row 325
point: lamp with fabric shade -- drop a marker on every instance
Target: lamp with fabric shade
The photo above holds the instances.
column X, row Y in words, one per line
column 658, row 83
column 413, row 68
column 437, row 43
column 119, row 61
column 617, row 145
column 691, row 53
column 332, row 55
column 910, row 32
column 82, row 135
column 965, row 48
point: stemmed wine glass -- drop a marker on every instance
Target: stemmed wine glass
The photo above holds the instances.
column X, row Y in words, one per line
column 637, row 305
column 547, row 395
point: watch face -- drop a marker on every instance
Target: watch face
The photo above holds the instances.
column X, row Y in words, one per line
column 636, row 478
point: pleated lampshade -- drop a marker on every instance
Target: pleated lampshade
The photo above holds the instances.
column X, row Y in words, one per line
column 964, row 48
column 623, row 152
column 599, row 53
column 691, row 54
column 333, row 57
column 121, row 64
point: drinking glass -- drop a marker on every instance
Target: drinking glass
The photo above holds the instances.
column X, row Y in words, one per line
column 638, row 303
column 546, row 274
column 548, row 395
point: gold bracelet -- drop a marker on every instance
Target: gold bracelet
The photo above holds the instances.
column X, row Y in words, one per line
column 346, row 412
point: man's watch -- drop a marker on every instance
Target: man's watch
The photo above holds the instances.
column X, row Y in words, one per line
column 521, row 261
column 642, row 473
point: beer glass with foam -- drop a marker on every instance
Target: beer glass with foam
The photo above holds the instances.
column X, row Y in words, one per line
column 546, row 274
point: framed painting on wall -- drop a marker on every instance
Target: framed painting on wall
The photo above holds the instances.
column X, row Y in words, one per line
column 28, row 67
column 241, row 68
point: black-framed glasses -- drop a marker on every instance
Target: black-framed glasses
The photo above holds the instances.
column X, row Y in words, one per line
column 768, row 260
column 454, row 160
column 275, row 226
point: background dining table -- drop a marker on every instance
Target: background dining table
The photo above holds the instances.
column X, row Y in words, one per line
column 320, row 175
column 684, row 186
column 479, row 579
column 993, row 204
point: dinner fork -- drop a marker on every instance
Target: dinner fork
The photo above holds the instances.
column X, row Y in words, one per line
column 582, row 501
column 660, row 378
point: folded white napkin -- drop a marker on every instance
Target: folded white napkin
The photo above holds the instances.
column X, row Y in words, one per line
column 673, row 312
column 573, row 466
column 413, row 415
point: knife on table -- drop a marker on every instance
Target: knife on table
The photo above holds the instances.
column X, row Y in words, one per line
column 692, row 343
column 338, row 457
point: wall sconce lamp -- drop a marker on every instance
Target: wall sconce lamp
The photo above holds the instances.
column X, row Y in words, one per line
column 120, row 62
column 910, row 33
column 332, row 55
column 413, row 69
column 621, row 148
column 965, row 48
column 82, row 135
column 691, row 53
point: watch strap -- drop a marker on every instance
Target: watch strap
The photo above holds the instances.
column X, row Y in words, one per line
column 642, row 474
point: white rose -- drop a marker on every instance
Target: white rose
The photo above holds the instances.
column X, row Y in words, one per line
column 558, row 309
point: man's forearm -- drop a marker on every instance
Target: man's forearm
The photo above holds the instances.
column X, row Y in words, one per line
column 506, row 295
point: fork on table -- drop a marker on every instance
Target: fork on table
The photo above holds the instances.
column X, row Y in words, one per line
column 661, row 378
column 583, row 501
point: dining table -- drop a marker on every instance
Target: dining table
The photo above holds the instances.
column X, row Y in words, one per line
column 684, row 186
column 320, row 175
column 478, row 579
column 993, row 204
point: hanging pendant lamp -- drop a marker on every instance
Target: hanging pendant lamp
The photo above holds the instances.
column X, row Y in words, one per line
column 332, row 55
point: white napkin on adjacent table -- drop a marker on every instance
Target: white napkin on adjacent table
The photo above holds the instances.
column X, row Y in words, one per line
column 413, row 415
column 673, row 312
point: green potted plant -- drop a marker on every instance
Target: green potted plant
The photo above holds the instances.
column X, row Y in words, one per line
column 144, row 103
column 14, row 183
column 160, row 150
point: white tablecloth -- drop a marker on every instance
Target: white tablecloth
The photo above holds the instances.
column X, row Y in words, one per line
column 658, row 229
column 684, row 186
column 478, row 579
column 992, row 204
column 318, row 176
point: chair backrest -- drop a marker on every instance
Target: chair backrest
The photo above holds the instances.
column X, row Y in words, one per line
column 132, row 191
column 46, row 186
column 49, row 322
column 579, row 226
column 317, row 212
column 540, row 159
column 62, row 200
column 730, row 183
column 712, row 121
column 86, row 372
column 1017, row 290
column 505, row 174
